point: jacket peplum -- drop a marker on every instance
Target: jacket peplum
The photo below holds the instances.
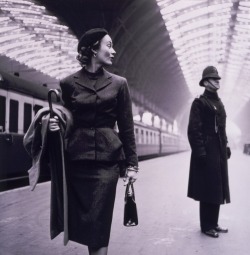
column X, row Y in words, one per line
column 96, row 108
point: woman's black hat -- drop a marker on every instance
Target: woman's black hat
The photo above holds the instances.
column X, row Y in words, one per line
column 90, row 37
column 209, row 72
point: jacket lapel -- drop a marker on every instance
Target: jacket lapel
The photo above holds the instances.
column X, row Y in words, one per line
column 82, row 80
column 104, row 80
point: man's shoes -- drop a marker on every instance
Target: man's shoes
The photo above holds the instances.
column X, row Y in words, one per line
column 221, row 230
column 211, row 232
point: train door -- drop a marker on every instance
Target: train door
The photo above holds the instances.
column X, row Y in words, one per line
column 14, row 161
column 160, row 142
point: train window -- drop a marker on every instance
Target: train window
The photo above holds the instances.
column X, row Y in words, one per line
column 136, row 135
column 27, row 116
column 147, row 137
column 165, row 140
column 142, row 136
column 36, row 108
column 13, row 120
column 2, row 113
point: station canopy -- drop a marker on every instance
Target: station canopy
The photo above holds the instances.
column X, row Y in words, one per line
column 202, row 32
column 212, row 32
column 32, row 36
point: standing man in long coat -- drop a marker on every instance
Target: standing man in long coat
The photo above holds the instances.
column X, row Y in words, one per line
column 208, row 178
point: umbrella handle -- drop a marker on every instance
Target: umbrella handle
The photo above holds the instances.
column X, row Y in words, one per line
column 50, row 100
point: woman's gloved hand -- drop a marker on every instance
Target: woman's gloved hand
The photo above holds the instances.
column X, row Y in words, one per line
column 131, row 174
column 54, row 124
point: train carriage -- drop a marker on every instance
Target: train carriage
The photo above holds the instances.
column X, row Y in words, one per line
column 19, row 102
column 147, row 140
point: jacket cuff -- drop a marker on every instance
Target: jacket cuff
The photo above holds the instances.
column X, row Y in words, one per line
column 132, row 161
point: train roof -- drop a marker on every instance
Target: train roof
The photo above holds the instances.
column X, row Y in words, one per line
column 149, row 127
column 141, row 124
column 15, row 83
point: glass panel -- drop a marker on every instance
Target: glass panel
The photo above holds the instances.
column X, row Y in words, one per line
column 30, row 34
column 13, row 118
column 2, row 113
column 212, row 32
column 27, row 116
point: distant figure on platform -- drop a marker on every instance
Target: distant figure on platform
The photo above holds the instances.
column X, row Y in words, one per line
column 97, row 100
column 208, row 178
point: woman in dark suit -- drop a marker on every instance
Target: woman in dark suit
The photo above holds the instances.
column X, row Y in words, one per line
column 97, row 100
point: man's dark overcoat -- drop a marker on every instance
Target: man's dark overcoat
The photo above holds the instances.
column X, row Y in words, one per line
column 208, row 182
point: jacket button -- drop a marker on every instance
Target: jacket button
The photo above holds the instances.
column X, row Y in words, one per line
column 91, row 128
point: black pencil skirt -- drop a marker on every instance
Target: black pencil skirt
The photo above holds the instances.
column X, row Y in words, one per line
column 91, row 196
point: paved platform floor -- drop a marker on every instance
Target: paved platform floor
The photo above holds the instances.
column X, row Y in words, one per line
column 168, row 220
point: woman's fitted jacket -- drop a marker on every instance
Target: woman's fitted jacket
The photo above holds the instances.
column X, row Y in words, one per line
column 95, row 111
column 208, row 178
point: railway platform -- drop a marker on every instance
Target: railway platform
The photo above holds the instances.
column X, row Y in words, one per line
column 168, row 220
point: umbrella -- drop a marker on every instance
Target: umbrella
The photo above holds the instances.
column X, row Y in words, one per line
column 59, row 199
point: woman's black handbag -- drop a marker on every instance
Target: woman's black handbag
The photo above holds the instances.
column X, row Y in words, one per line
column 130, row 210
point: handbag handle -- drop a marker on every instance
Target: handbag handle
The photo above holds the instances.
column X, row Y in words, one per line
column 127, row 193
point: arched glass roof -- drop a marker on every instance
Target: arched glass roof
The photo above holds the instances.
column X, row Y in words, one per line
column 32, row 36
column 212, row 32
column 203, row 32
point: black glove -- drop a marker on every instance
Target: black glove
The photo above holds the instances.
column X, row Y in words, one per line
column 228, row 153
column 202, row 161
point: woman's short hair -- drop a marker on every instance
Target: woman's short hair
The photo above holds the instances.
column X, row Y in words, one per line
column 89, row 41
column 85, row 53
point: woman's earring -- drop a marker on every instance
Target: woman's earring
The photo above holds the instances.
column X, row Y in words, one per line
column 94, row 53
